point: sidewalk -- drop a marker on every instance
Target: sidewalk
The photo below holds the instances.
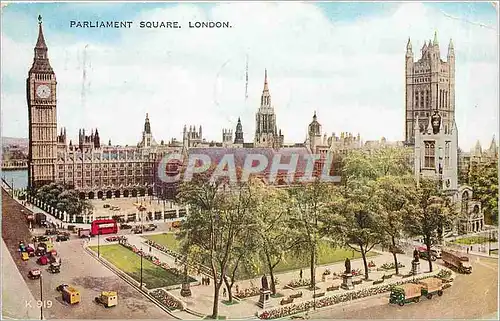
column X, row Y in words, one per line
column 202, row 296
column 17, row 300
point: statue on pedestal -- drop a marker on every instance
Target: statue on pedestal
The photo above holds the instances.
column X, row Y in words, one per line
column 416, row 256
column 265, row 285
column 347, row 266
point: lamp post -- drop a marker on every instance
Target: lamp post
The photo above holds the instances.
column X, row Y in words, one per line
column 141, row 268
column 98, row 244
column 41, row 297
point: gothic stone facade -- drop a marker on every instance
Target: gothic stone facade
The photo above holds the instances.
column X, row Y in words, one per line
column 430, row 85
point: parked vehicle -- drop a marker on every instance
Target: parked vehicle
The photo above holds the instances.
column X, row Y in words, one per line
column 40, row 239
column 43, row 260
column 60, row 287
column 422, row 252
column 40, row 250
column 176, row 224
column 55, row 267
column 51, row 232
column 62, row 238
column 70, row 295
column 125, row 226
column 34, row 274
column 25, row 256
column 436, row 251
column 431, row 286
column 137, row 230
column 457, row 261
column 83, row 233
column 150, row 227
column 107, row 298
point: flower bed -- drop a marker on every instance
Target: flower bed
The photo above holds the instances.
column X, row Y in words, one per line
column 291, row 309
column 246, row 293
column 166, row 299
column 298, row 283
column 389, row 266
column 444, row 274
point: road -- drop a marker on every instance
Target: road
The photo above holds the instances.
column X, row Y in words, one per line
column 78, row 269
column 473, row 296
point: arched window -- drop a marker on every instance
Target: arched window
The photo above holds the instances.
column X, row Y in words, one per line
column 465, row 200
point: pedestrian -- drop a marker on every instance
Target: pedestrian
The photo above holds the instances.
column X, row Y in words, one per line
column 300, row 274
column 203, row 281
column 224, row 292
column 208, row 280
column 467, row 250
column 237, row 289
column 150, row 249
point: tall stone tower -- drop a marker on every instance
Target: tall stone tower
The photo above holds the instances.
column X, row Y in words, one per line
column 266, row 131
column 238, row 135
column 314, row 134
column 41, row 98
column 147, row 135
column 430, row 86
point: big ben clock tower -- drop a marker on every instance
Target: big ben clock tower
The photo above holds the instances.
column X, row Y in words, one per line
column 41, row 97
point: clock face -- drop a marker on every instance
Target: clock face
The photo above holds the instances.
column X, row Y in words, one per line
column 43, row 91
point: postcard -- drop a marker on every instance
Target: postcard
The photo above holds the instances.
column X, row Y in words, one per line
column 249, row 160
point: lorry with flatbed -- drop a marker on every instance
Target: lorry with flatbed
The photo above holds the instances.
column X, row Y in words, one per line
column 411, row 292
column 456, row 260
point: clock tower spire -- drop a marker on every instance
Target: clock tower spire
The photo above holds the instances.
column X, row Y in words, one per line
column 41, row 99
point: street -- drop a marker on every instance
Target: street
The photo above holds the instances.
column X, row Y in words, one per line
column 472, row 296
column 78, row 269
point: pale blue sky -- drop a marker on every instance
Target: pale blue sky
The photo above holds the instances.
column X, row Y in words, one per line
column 340, row 59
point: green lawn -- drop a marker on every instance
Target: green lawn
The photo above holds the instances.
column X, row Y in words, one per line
column 165, row 239
column 327, row 254
column 471, row 240
column 130, row 263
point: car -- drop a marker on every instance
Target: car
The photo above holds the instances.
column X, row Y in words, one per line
column 60, row 287
column 150, row 227
column 125, row 226
column 34, row 274
column 137, row 230
column 62, row 238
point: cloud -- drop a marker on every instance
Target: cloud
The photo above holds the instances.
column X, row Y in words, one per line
column 350, row 72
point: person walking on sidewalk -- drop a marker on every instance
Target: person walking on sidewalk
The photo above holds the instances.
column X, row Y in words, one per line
column 224, row 292
column 300, row 274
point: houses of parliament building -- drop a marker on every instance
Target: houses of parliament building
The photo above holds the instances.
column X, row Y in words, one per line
column 97, row 170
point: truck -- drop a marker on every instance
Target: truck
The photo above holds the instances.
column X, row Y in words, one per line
column 405, row 293
column 412, row 292
column 107, row 298
column 83, row 233
column 431, row 286
column 456, row 260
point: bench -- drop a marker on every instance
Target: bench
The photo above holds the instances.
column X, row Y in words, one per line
column 378, row 282
column 357, row 282
column 286, row 301
column 333, row 288
column 296, row 295
column 318, row 295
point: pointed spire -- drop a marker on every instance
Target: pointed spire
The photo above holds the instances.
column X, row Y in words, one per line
column 40, row 43
column 314, row 117
column 429, row 125
column 451, row 50
column 435, row 43
column 266, row 88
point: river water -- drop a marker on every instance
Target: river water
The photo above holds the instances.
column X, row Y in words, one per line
column 19, row 178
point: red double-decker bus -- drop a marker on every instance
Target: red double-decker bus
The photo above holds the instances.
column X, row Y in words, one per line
column 105, row 226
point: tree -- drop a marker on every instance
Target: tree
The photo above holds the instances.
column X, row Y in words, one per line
column 430, row 210
column 219, row 218
column 393, row 196
column 361, row 228
column 64, row 199
column 271, row 217
column 483, row 178
column 308, row 210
